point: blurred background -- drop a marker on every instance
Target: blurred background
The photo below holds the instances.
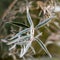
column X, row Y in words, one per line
column 40, row 10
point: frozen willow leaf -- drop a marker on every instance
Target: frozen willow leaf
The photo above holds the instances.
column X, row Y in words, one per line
column 25, row 49
column 22, row 42
column 12, row 47
column 33, row 49
column 44, row 22
column 29, row 17
column 18, row 40
column 31, row 23
column 20, row 24
column 21, row 32
column 13, row 41
column 43, row 46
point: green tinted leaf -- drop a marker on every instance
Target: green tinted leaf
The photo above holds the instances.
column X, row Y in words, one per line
column 19, row 24
column 43, row 46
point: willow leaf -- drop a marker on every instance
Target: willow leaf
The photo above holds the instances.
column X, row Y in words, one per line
column 44, row 22
column 43, row 46
column 19, row 24
column 21, row 32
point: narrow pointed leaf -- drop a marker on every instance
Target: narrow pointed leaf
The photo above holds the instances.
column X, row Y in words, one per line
column 44, row 22
column 19, row 24
column 29, row 17
column 25, row 49
column 18, row 39
column 21, row 32
column 43, row 46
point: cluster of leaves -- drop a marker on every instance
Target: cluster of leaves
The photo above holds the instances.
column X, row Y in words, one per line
column 22, row 28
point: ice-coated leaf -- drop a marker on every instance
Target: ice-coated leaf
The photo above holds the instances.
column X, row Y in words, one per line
column 43, row 46
column 44, row 22
column 19, row 24
column 25, row 49
column 21, row 32
column 18, row 39
column 29, row 17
